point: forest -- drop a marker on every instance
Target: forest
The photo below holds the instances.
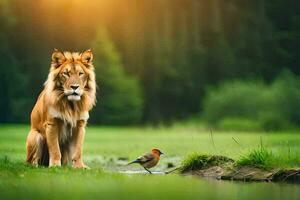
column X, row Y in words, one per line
column 225, row 62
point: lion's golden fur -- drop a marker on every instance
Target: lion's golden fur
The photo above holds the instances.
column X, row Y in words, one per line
column 58, row 123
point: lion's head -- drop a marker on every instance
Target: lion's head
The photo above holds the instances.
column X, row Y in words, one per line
column 72, row 77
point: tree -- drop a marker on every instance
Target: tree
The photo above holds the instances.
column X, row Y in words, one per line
column 13, row 82
column 119, row 96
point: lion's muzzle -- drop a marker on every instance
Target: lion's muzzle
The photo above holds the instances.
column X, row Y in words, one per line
column 74, row 93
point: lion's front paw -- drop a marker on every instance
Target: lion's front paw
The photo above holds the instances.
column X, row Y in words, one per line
column 54, row 163
column 80, row 166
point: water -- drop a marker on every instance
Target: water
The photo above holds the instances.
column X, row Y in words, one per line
column 190, row 187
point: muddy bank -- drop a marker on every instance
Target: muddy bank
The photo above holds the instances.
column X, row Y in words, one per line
column 223, row 168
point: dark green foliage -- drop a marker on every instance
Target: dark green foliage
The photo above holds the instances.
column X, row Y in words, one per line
column 286, row 89
column 254, row 105
column 119, row 95
column 14, row 99
column 273, row 121
column 235, row 99
column 283, row 112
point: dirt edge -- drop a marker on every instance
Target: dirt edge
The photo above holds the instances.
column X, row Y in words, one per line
column 230, row 171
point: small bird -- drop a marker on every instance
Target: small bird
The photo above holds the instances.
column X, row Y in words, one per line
column 148, row 160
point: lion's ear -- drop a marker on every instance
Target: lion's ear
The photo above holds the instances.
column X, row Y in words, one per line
column 87, row 56
column 58, row 57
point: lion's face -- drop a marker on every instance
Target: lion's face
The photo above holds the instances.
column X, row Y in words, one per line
column 72, row 73
column 73, row 80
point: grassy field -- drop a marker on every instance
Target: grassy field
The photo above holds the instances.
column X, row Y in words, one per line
column 107, row 150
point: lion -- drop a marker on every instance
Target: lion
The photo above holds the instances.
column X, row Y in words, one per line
column 60, row 114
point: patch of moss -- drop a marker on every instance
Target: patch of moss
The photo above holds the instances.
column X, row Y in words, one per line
column 197, row 161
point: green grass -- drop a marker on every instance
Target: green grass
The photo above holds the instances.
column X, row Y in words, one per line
column 260, row 157
column 104, row 146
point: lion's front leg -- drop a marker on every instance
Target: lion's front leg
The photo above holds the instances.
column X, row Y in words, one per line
column 76, row 145
column 52, row 131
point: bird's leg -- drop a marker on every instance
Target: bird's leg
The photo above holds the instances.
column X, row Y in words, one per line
column 148, row 170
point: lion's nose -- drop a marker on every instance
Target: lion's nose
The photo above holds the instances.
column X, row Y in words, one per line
column 74, row 87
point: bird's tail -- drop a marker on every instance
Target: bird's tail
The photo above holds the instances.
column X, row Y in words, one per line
column 135, row 161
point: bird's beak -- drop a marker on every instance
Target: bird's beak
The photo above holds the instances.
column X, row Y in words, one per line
column 161, row 153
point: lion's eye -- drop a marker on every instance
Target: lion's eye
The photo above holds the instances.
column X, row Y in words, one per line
column 66, row 73
column 81, row 73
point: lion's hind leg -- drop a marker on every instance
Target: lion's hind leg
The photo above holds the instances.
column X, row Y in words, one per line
column 36, row 148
